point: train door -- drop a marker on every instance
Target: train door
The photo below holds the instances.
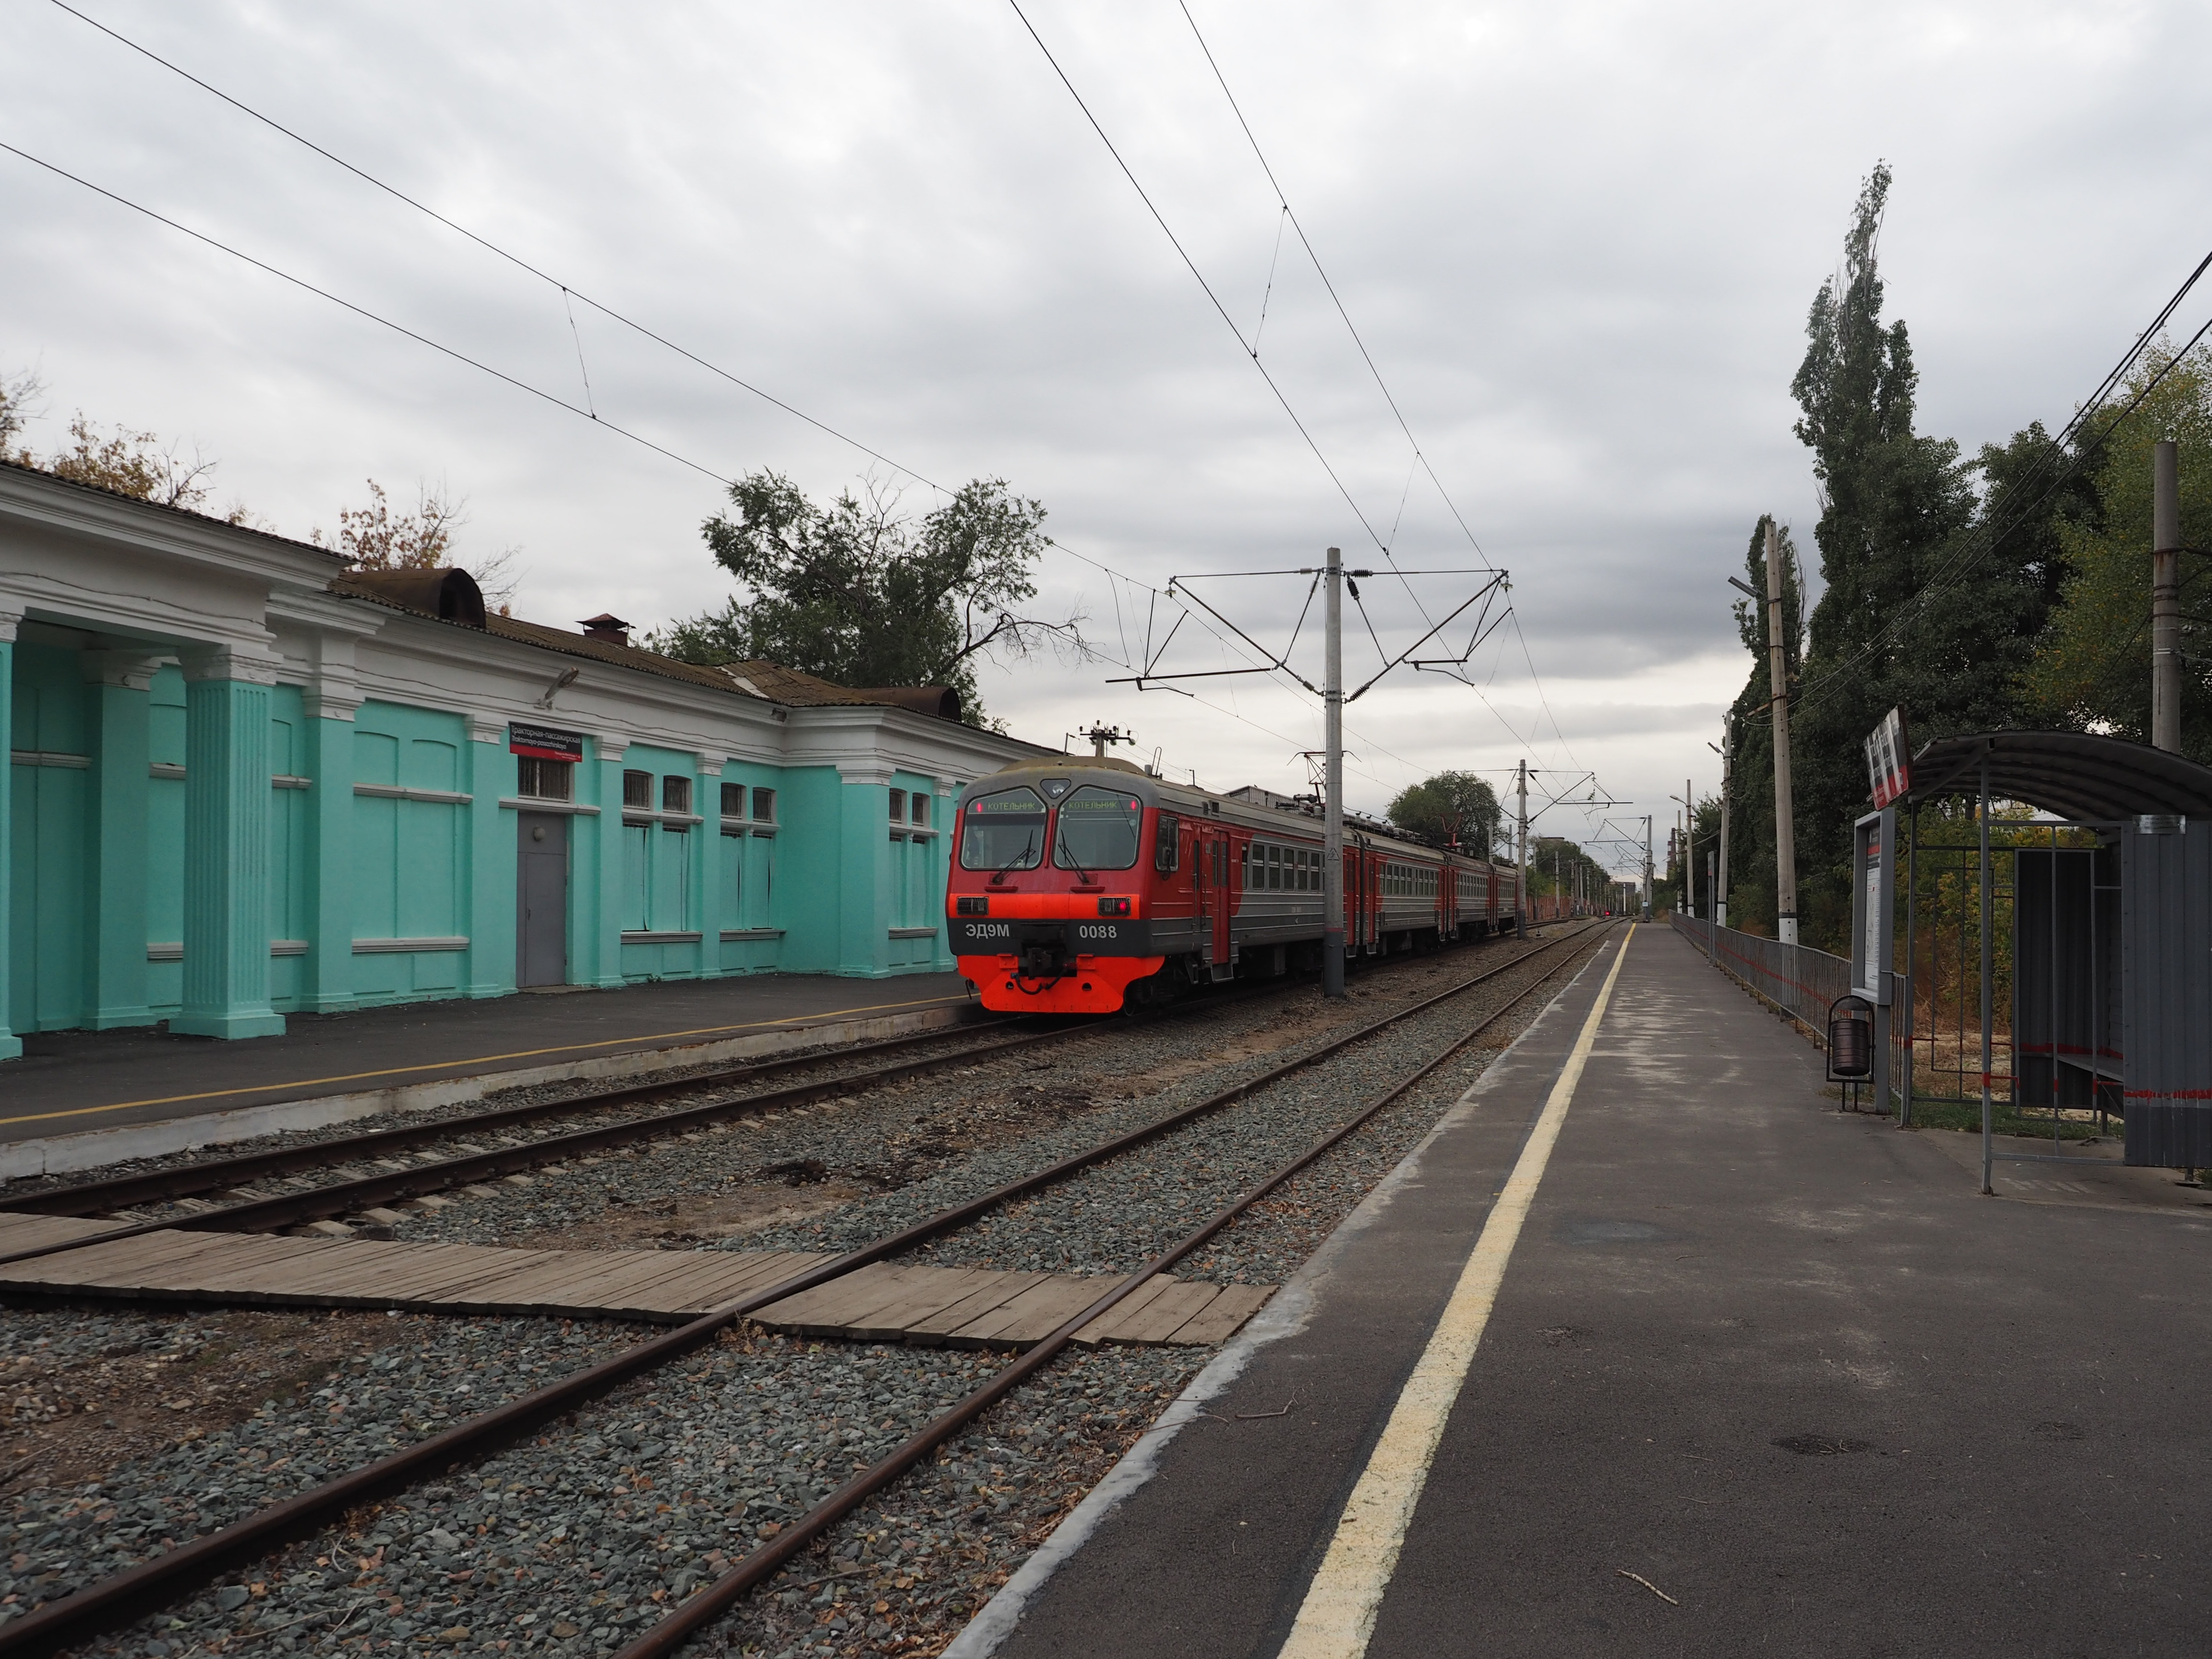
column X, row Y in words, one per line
column 1216, row 900
column 1225, row 912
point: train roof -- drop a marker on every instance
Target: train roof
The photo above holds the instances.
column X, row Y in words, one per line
column 1237, row 807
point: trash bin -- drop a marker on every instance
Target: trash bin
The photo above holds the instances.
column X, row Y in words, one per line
column 1851, row 1040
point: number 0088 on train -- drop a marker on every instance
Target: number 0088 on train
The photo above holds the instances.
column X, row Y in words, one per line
column 1089, row 886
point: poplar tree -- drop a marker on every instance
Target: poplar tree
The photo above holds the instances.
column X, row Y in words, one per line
column 1917, row 609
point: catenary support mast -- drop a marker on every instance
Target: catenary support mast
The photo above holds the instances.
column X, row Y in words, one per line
column 1332, row 937
column 1728, row 780
column 1521, row 852
column 1777, row 679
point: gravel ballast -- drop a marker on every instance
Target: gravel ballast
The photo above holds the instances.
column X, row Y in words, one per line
column 575, row 1541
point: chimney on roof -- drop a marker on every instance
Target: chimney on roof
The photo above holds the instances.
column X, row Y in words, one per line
column 606, row 626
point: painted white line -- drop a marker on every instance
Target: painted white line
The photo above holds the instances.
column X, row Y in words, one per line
column 1288, row 1313
column 1338, row 1615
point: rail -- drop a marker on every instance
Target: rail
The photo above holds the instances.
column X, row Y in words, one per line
column 115, row 1601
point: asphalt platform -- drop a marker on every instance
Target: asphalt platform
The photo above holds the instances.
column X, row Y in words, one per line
column 1760, row 1377
column 71, row 1082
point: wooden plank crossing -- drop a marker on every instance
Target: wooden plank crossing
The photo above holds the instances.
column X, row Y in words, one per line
column 886, row 1301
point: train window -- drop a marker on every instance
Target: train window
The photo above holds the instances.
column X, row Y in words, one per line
column 1003, row 831
column 1097, row 829
column 1167, row 844
column 1275, row 867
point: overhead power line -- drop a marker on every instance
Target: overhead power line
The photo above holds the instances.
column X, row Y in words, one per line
column 587, row 410
column 1190, row 264
column 364, row 312
column 490, row 246
column 1320, row 270
column 1249, row 347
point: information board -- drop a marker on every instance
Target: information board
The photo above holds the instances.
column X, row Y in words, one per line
column 1873, row 903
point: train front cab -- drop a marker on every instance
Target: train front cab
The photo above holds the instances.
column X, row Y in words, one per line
column 1068, row 885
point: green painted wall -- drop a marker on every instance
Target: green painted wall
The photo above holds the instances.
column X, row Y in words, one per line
column 51, row 834
column 96, row 855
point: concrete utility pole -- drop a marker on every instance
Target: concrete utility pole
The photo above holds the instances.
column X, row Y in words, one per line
column 1728, row 777
column 1778, row 679
column 1332, row 697
column 1689, row 850
column 1647, row 866
column 2165, row 598
column 1520, row 854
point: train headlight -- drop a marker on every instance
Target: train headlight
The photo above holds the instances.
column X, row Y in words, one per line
column 976, row 906
column 1113, row 907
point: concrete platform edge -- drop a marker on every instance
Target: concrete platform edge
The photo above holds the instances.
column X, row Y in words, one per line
column 1286, row 1315
column 97, row 1148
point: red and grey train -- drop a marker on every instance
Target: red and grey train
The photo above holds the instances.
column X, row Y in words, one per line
column 1087, row 885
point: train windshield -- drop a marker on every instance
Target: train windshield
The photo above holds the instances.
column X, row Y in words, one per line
column 1097, row 829
column 1004, row 831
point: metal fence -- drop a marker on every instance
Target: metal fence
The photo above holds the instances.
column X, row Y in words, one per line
column 1802, row 983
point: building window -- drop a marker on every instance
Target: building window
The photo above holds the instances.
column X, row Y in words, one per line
column 918, row 811
column 637, row 791
column 898, row 806
column 675, row 794
column 733, row 800
column 764, row 806
column 544, row 779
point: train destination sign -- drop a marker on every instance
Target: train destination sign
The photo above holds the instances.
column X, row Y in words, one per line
column 544, row 743
column 1889, row 759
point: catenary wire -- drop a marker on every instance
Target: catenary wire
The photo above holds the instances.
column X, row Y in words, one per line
column 568, row 293
column 364, row 312
column 574, row 408
column 1160, row 219
column 1420, row 456
column 1321, row 272
column 493, row 247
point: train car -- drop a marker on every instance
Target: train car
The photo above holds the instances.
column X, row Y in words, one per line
column 1087, row 886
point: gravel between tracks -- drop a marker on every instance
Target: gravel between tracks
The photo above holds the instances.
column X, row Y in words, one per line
column 766, row 1183
column 557, row 1546
column 569, row 1544
column 426, row 1373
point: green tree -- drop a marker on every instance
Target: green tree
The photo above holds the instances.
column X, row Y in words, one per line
column 2091, row 668
column 859, row 594
column 1920, row 608
column 1453, row 809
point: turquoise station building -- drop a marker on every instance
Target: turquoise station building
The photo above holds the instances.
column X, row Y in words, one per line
column 245, row 782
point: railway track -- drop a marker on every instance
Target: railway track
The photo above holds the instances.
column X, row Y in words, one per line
column 389, row 1182
column 120, row 1599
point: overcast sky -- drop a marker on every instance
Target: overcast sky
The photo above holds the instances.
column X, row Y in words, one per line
column 1579, row 241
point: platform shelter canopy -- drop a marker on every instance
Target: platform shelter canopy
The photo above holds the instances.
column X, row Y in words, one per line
column 2075, row 776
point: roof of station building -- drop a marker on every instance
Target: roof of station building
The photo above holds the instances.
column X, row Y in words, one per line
column 430, row 593
column 449, row 594
column 2077, row 775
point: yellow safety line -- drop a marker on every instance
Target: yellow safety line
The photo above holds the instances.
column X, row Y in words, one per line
column 1337, row 1618
column 480, row 1060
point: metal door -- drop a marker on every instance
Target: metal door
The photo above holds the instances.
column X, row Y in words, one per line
column 541, row 899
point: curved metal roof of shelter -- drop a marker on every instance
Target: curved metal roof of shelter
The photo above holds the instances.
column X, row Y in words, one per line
column 2081, row 777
